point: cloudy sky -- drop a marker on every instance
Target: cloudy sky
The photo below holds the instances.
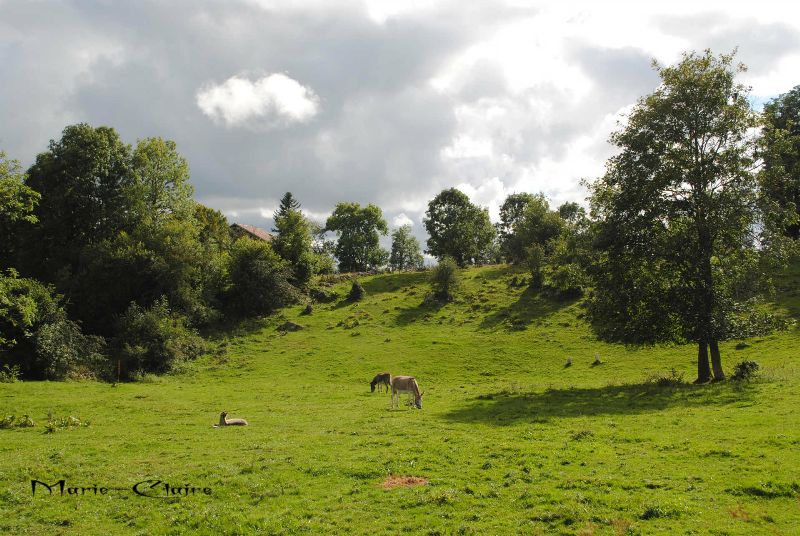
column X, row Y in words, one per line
column 386, row 102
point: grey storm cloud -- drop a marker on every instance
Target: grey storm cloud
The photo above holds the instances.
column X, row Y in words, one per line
column 373, row 127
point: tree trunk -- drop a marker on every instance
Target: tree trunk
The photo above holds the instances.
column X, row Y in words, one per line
column 703, row 370
column 716, row 362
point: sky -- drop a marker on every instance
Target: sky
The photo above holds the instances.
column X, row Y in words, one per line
column 382, row 102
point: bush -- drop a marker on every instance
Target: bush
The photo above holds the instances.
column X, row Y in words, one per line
column 62, row 350
column 25, row 306
column 445, row 279
column 260, row 279
column 745, row 371
column 357, row 292
column 154, row 339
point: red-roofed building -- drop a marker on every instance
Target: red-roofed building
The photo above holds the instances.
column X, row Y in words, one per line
column 240, row 229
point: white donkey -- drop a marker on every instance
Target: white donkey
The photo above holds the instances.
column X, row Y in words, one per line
column 405, row 384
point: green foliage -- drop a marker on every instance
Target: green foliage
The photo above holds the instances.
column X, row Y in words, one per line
column 62, row 350
column 406, row 252
column 294, row 239
column 25, row 306
column 82, row 180
column 534, row 224
column 779, row 148
column 535, row 261
column 457, row 228
column 358, row 229
column 12, row 421
column 54, row 424
column 511, row 212
column 676, row 210
column 17, row 204
column 154, row 339
column 357, row 292
column 745, row 370
column 10, row 373
column 445, row 279
column 260, row 279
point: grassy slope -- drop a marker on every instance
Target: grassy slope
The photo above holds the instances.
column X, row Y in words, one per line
column 510, row 440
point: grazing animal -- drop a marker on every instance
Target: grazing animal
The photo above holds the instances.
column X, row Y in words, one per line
column 406, row 384
column 384, row 379
column 224, row 421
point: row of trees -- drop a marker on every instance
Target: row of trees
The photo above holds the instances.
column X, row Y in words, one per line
column 105, row 254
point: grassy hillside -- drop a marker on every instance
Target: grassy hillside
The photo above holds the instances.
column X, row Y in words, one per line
column 510, row 440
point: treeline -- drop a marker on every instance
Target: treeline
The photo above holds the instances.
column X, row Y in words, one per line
column 109, row 266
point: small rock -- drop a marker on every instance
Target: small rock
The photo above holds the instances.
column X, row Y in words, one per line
column 290, row 326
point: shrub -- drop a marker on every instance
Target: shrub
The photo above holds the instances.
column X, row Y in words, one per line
column 260, row 279
column 9, row 374
column 445, row 279
column 357, row 292
column 745, row 371
column 154, row 339
column 672, row 378
column 63, row 350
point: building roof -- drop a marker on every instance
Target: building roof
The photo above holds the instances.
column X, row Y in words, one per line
column 255, row 232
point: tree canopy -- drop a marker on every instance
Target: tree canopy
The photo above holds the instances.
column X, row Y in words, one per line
column 406, row 252
column 358, row 229
column 780, row 152
column 458, row 229
column 676, row 212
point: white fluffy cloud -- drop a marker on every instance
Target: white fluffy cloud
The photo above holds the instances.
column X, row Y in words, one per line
column 401, row 219
column 271, row 100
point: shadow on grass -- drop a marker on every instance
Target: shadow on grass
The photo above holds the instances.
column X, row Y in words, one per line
column 506, row 408
column 531, row 305
column 235, row 327
column 410, row 315
column 393, row 282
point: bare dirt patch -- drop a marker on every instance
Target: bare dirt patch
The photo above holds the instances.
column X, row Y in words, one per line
column 397, row 481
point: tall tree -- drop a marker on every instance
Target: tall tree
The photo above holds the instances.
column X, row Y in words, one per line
column 406, row 252
column 294, row 240
column 81, row 180
column 457, row 228
column 677, row 211
column 359, row 229
column 780, row 151
column 511, row 211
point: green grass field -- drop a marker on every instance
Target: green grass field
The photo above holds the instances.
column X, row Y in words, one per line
column 510, row 440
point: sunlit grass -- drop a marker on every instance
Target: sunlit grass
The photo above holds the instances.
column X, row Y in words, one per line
column 510, row 439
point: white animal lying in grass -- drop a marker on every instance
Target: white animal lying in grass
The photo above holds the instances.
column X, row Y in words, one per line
column 224, row 421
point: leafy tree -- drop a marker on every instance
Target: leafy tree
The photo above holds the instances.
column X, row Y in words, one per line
column 780, row 151
column 571, row 212
column 322, row 249
column 293, row 242
column 358, row 229
column 260, row 279
column 538, row 225
column 511, row 211
column 158, row 187
column 17, row 203
column 457, row 228
column 405, row 250
column 81, row 180
column 676, row 212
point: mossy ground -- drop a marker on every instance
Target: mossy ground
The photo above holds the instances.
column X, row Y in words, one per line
column 510, row 439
